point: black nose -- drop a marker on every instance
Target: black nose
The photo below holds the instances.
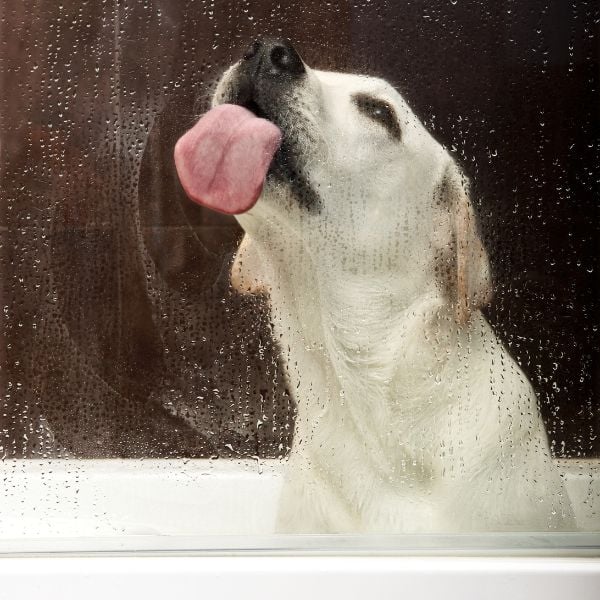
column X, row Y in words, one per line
column 274, row 57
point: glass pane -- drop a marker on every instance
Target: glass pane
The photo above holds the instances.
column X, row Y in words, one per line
column 400, row 336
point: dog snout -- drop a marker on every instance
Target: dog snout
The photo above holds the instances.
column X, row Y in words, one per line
column 273, row 58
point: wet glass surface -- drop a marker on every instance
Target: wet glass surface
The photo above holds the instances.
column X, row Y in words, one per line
column 121, row 334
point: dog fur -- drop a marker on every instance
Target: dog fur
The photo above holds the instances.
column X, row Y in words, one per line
column 411, row 414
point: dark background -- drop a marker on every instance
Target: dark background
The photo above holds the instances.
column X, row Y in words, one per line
column 121, row 334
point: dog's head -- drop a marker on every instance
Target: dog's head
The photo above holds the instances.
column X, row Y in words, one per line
column 357, row 179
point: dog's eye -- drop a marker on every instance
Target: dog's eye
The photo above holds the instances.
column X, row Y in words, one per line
column 380, row 111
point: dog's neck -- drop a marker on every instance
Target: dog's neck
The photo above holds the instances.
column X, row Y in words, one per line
column 354, row 330
column 359, row 315
column 369, row 375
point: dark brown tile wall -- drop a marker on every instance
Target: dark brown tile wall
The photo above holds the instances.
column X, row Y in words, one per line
column 121, row 335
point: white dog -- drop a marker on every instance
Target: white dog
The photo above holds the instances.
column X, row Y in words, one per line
column 411, row 414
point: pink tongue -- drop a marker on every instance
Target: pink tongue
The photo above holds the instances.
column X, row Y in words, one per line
column 223, row 160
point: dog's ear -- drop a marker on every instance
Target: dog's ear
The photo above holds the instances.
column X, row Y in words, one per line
column 246, row 272
column 467, row 270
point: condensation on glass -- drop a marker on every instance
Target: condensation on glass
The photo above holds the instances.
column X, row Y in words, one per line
column 123, row 337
